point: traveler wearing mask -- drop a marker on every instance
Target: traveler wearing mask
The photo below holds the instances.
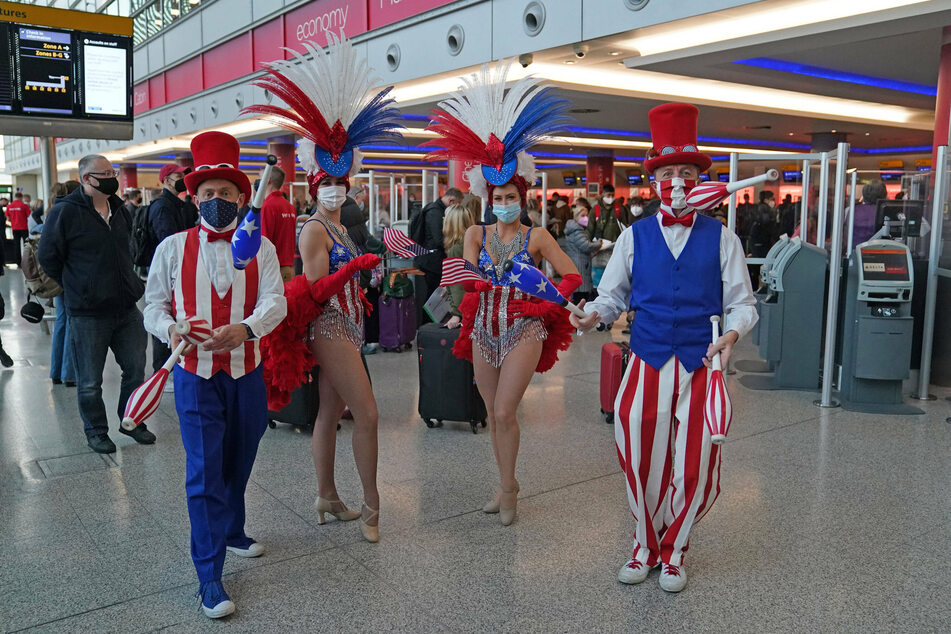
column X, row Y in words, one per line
column 220, row 395
column 85, row 248
column 580, row 249
column 610, row 216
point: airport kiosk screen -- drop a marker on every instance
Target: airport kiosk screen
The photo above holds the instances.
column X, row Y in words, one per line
column 885, row 265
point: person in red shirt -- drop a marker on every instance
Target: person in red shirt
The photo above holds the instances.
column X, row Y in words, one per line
column 279, row 222
column 17, row 214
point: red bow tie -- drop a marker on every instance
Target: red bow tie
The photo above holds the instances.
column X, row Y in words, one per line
column 669, row 219
column 214, row 235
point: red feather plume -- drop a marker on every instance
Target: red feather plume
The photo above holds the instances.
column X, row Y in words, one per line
column 455, row 140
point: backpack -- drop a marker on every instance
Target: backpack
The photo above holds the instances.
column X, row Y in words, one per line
column 142, row 241
column 417, row 226
column 39, row 283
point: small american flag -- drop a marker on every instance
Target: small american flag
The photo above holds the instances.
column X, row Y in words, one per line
column 398, row 243
column 459, row 270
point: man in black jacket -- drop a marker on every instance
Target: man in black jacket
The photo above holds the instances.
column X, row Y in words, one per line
column 85, row 248
column 431, row 263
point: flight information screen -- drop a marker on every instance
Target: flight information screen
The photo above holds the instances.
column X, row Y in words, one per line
column 59, row 76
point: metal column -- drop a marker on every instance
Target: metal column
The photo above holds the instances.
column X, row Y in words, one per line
column 424, row 197
column 835, row 265
column 731, row 209
column 404, row 200
column 939, row 196
column 47, row 167
column 823, row 201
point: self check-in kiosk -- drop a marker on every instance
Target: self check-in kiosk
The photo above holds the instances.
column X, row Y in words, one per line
column 876, row 341
column 791, row 316
column 763, row 290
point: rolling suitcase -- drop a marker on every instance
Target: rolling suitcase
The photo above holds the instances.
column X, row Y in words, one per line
column 447, row 390
column 302, row 410
column 614, row 358
column 397, row 323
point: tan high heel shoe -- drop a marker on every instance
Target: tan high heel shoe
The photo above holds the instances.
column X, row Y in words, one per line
column 506, row 513
column 370, row 533
column 336, row 508
column 492, row 506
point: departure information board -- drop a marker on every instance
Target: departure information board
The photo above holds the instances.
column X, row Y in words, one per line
column 62, row 76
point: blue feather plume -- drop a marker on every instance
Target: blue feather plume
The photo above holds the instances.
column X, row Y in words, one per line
column 378, row 122
column 545, row 115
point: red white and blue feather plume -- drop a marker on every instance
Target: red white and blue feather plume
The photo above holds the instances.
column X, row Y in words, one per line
column 331, row 104
column 484, row 125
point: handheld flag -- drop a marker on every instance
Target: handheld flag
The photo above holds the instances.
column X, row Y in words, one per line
column 401, row 245
column 459, row 270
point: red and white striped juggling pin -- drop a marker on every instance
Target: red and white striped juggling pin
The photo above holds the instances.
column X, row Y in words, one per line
column 145, row 399
column 708, row 195
column 717, row 409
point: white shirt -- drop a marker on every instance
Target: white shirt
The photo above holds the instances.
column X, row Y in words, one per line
column 739, row 304
column 271, row 306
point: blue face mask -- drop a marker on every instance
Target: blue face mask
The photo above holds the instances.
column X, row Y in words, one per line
column 507, row 213
column 218, row 212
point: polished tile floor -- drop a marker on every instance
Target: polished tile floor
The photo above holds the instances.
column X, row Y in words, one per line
column 828, row 521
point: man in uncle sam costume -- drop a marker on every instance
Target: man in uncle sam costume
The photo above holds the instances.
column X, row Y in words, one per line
column 219, row 387
column 675, row 272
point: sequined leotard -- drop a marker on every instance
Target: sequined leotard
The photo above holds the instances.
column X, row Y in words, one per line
column 342, row 316
column 493, row 330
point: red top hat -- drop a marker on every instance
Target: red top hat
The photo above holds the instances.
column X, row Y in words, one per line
column 216, row 156
column 674, row 133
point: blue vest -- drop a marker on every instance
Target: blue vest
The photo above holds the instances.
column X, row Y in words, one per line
column 674, row 299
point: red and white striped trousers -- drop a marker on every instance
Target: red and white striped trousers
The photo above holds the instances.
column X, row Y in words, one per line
column 671, row 467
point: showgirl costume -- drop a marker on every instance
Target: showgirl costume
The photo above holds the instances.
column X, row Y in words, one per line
column 482, row 125
column 321, row 86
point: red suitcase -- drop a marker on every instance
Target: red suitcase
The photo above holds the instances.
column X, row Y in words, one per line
column 614, row 358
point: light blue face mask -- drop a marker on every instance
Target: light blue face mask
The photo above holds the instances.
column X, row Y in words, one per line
column 507, row 213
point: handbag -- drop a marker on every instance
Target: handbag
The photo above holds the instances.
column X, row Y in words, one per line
column 32, row 311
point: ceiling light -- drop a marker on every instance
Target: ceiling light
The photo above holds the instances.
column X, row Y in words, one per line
column 868, row 133
column 790, row 134
column 834, row 131
column 569, row 61
column 615, row 53
column 750, row 20
column 174, row 12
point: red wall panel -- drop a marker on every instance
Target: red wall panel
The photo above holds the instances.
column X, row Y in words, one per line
column 309, row 22
column 157, row 91
column 184, row 80
column 227, row 61
column 383, row 12
column 268, row 40
column 140, row 97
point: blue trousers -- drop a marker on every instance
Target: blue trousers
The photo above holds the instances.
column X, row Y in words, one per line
column 61, row 357
column 222, row 421
column 90, row 340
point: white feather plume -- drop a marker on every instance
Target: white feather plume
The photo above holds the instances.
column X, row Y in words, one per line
column 338, row 81
column 483, row 106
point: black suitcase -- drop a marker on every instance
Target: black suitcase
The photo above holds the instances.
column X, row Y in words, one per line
column 447, row 390
column 302, row 410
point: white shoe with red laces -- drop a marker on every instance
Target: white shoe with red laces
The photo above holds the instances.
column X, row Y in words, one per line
column 633, row 572
column 672, row 578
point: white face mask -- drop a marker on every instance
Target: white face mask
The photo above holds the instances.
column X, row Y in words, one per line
column 332, row 197
column 637, row 210
column 609, row 199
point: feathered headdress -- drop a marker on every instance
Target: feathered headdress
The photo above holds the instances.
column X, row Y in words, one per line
column 482, row 124
column 332, row 86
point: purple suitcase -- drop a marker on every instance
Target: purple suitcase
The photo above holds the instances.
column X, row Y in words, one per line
column 397, row 323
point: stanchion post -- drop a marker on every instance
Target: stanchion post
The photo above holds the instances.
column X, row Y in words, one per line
column 939, row 196
column 823, row 200
column 835, row 266
column 731, row 205
column 544, row 208
column 424, row 199
column 804, row 201
column 852, row 185
column 372, row 201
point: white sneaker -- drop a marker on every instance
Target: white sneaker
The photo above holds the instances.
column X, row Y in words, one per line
column 633, row 572
column 169, row 387
column 254, row 549
column 672, row 578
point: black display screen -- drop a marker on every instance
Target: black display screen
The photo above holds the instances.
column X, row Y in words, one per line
column 634, row 179
column 885, row 265
column 56, row 74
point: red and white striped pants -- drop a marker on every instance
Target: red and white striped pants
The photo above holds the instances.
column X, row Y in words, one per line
column 671, row 467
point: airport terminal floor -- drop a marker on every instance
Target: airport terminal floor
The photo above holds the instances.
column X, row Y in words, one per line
column 828, row 521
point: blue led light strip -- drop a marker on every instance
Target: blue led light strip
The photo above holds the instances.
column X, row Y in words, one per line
column 838, row 75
